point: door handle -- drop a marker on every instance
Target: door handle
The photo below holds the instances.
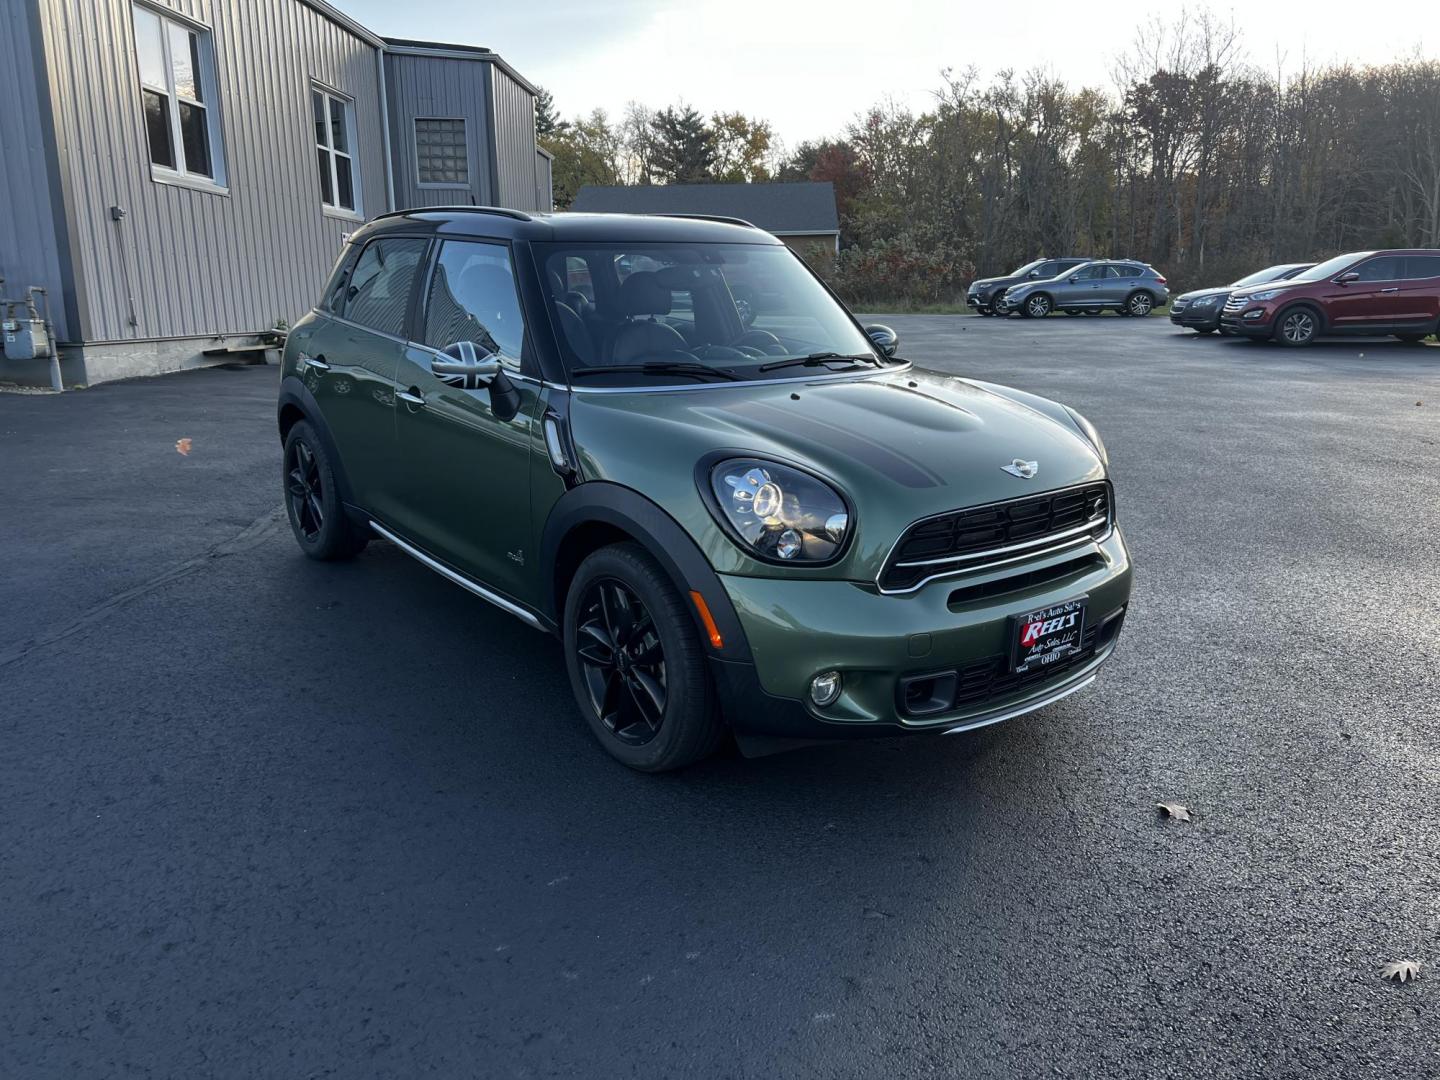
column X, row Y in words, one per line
column 1393, row 288
column 313, row 362
column 411, row 397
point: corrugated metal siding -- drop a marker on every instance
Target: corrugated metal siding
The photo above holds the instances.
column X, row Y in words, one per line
column 544, row 182
column 29, row 246
column 434, row 86
column 514, row 142
column 198, row 263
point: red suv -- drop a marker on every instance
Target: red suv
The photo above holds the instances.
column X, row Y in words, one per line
column 1365, row 292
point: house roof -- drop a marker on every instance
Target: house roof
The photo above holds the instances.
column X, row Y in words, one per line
column 783, row 209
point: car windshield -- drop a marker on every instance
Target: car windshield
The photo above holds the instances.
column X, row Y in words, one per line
column 1270, row 273
column 1028, row 267
column 633, row 314
column 1331, row 267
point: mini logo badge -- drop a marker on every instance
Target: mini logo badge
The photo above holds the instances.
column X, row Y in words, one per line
column 1023, row 469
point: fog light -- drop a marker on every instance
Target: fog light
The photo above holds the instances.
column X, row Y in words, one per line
column 1254, row 314
column 825, row 688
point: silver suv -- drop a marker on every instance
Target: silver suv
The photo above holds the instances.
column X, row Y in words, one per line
column 1123, row 285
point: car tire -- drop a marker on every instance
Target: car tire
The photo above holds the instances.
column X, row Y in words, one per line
column 1094, row 311
column 636, row 663
column 1073, row 311
column 1203, row 330
column 1139, row 304
column 312, row 499
column 984, row 311
column 1296, row 327
column 1037, row 306
column 1412, row 339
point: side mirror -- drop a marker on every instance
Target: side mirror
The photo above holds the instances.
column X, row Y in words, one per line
column 883, row 338
column 1074, row 279
column 1033, row 274
column 465, row 366
column 1346, row 278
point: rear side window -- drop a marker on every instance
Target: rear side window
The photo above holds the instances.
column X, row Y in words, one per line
column 473, row 298
column 1129, row 270
column 1047, row 270
column 1385, row 268
column 378, row 292
column 1422, row 266
column 1094, row 272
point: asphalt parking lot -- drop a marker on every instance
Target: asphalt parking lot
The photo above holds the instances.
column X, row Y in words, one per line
column 261, row 817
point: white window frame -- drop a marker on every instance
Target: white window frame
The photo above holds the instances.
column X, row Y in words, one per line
column 415, row 137
column 330, row 96
column 210, row 90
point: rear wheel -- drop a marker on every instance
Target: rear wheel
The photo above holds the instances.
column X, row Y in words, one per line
column 636, row 663
column 312, row 499
column 1296, row 327
column 1038, row 306
column 1072, row 311
column 1411, row 339
column 1139, row 304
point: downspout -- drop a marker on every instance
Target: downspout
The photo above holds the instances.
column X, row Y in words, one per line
column 385, row 130
column 492, row 145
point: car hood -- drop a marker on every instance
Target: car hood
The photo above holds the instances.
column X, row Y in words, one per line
column 1198, row 293
column 1251, row 290
column 992, row 282
column 901, row 445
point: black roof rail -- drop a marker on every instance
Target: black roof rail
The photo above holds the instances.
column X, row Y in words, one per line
column 710, row 217
column 500, row 211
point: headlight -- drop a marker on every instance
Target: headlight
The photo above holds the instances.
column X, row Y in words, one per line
column 1268, row 294
column 1205, row 301
column 777, row 512
column 1091, row 434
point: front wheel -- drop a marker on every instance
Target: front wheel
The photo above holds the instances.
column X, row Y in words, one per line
column 312, row 499
column 1037, row 307
column 1139, row 304
column 636, row 663
column 1296, row 328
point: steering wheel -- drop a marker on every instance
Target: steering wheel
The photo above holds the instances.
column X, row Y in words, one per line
column 763, row 340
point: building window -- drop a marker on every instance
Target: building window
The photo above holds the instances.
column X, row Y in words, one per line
column 177, row 93
column 441, row 155
column 335, row 149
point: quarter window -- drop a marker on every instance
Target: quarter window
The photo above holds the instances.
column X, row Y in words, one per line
column 441, row 154
column 473, row 298
column 378, row 292
column 334, row 118
column 1047, row 270
column 177, row 96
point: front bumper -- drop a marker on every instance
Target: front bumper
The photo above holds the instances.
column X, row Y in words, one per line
column 1258, row 325
column 883, row 643
column 981, row 301
column 1204, row 318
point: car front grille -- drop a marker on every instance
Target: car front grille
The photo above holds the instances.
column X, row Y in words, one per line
column 1178, row 306
column 1234, row 304
column 982, row 537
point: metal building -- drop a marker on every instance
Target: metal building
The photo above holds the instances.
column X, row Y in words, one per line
column 178, row 175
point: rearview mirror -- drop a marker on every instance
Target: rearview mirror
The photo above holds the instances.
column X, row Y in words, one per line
column 883, row 338
column 465, row 366
column 1345, row 279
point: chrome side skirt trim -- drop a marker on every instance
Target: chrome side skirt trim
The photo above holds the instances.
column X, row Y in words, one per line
column 1085, row 677
column 459, row 579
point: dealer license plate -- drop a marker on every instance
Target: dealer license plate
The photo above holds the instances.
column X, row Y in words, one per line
column 1047, row 635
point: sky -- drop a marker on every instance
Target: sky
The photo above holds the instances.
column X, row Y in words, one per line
column 809, row 66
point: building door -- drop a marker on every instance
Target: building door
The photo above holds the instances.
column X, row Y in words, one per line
column 463, row 450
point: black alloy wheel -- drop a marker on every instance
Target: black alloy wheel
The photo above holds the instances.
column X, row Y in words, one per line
column 305, row 489
column 312, row 499
column 622, row 662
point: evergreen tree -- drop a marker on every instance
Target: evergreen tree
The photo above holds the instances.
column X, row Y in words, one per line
column 683, row 146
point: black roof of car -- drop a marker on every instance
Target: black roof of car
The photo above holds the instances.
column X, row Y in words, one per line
column 504, row 224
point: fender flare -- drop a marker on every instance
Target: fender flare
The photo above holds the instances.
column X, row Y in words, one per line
column 295, row 394
column 607, row 503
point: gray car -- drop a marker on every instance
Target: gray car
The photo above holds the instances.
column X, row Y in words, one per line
column 1122, row 285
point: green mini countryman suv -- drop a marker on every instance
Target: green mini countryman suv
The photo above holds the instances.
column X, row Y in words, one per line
column 664, row 441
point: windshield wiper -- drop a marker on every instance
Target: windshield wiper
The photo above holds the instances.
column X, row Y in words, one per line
column 819, row 359
column 698, row 371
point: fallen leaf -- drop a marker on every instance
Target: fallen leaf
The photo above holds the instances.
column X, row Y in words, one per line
column 1401, row 970
column 1419, row 403
column 183, row 446
column 1173, row 809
